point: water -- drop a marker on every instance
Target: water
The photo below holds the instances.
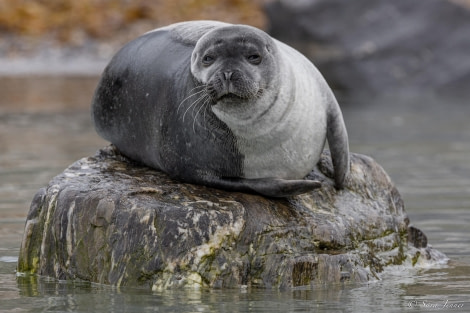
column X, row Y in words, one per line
column 424, row 144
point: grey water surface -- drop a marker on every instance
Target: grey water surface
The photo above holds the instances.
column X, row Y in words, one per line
column 423, row 142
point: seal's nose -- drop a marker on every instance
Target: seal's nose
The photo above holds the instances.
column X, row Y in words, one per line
column 228, row 75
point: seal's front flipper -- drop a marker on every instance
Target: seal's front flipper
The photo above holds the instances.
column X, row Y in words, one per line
column 270, row 187
column 338, row 142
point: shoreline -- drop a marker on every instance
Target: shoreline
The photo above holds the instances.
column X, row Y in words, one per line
column 38, row 66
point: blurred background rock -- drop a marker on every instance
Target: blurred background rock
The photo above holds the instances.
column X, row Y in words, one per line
column 381, row 46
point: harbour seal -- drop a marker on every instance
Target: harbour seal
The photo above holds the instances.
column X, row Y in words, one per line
column 221, row 105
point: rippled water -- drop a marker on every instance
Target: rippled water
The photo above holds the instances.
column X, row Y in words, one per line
column 423, row 143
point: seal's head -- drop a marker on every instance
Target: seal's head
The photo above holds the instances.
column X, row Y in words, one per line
column 237, row 63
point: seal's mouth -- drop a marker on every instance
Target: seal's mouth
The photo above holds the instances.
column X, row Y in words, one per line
column 230, row 97
column 227, row 97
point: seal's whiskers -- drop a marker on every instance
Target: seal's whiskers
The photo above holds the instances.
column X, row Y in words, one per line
column 198, row 100
column 191, row 95
column 205, row 105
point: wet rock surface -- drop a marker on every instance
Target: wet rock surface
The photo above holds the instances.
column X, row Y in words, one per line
column 108, row 220
column 380, row 46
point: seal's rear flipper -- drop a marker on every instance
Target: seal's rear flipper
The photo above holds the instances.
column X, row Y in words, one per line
column 270, row 187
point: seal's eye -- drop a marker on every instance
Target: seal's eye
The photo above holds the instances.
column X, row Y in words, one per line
column 207, row 60
column 254, row 58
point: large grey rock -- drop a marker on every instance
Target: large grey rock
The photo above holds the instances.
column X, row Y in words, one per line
column 381, row 46
column 108, row 220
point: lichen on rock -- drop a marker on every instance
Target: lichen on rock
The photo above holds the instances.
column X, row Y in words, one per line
column 108, row 220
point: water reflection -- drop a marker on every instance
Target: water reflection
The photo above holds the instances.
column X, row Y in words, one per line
column 46, row 94
column 395, row 293
column 424, row 144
